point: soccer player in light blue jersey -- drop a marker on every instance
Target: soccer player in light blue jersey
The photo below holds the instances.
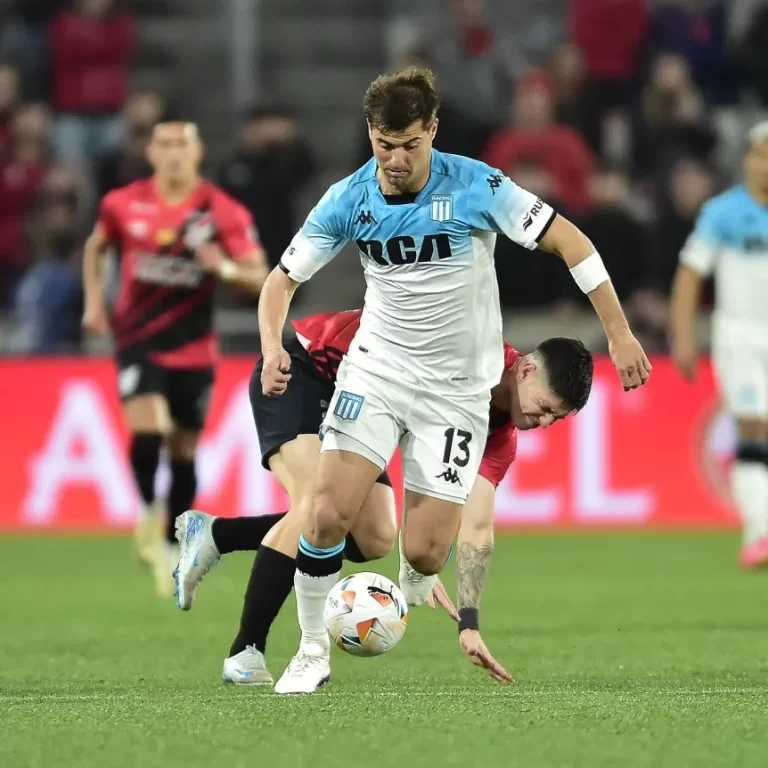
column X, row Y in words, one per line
column 429, row 348
column 730, row 241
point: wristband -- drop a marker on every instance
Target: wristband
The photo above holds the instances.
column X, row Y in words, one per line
column 468, row 619
column 590, row 273
column 228, row 270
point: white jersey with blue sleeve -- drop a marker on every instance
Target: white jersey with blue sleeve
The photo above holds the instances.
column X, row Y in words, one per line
column 431, row 313
column 730, row 241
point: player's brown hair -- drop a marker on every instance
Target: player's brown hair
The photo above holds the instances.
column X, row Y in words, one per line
column 398, row 99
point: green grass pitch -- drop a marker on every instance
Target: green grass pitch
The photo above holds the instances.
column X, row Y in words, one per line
column 629, row 650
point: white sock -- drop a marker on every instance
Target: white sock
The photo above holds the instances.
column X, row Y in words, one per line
column 311, row 592
column 749, row 484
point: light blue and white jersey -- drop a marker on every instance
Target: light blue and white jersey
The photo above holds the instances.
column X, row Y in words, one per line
column 730, row 240
column 431, row 315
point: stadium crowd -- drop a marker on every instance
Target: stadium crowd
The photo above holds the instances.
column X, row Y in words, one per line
column 624, row 114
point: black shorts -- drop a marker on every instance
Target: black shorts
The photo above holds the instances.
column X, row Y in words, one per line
column 187, row 390
column 300, row 410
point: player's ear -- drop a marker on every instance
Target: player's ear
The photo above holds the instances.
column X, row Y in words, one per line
column 526, row 370
column 433, row 129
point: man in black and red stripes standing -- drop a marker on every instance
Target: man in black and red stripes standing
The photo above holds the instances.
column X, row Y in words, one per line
column 176, row 234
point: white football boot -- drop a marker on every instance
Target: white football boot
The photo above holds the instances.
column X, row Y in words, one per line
column 197, row 554
column 246, row 668
column 308, row 670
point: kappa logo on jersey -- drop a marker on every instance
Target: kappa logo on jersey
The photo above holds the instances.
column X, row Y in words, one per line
column 366, row 217
column 494, row 181
column 450, row 476
column 348, row 406
column 442, row 208
column 533, row 213
column 403, row 250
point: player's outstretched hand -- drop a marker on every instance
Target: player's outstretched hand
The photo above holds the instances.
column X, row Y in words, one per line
column 275, row 372
column 474, row 649
column 630, row 360
column 95, row 319
column 438, row 596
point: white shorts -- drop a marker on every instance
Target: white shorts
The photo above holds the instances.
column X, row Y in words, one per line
column 442, row 439
column 742, row 372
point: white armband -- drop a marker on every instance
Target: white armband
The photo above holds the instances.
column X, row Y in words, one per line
column 590, row 273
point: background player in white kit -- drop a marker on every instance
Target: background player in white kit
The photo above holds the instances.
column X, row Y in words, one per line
column 731, row 240
column 429, row 347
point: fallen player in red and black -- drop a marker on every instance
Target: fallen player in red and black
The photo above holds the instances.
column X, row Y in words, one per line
column 535, row 390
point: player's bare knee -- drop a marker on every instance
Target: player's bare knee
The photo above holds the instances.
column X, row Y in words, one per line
column 427, row 564
column 427, row 561
column 377, row 545
column 329, row 521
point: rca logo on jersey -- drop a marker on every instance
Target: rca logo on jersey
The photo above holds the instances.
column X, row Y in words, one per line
column 403, row 250
column 442, row 208
column 535, row 211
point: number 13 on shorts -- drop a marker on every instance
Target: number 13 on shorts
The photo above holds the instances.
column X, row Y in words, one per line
column 462, row 439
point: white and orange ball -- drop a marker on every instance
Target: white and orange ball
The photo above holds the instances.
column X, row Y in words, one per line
column 366, row 614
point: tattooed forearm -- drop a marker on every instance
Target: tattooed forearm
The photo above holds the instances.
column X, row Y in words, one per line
column 471, row 572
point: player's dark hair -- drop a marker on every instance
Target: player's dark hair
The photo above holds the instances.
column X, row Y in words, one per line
column 570, row 368
column 398, row 99
column 172, row 114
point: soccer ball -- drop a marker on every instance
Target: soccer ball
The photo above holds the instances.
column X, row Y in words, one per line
column 366, row 614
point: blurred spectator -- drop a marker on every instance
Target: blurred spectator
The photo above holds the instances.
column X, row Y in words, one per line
column 618, row 236
column 23, row 41
column 48, row 303
column 9, row 99
column 472, row 75
column 689, row 186
column 670, row 119
column 698, row 32
column 751, row 54
column 266, row 173
column 91, row 49
column 22, row 168
column 128, row 162
column 529, row 279
column 611, row 34
column 535, row 136
column 568, row 74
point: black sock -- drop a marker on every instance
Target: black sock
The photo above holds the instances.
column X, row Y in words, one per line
column 269, row 585
column 181, row 494
column 319, row 561
column 145, row 457
column 352, row 551
column 242, row 534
